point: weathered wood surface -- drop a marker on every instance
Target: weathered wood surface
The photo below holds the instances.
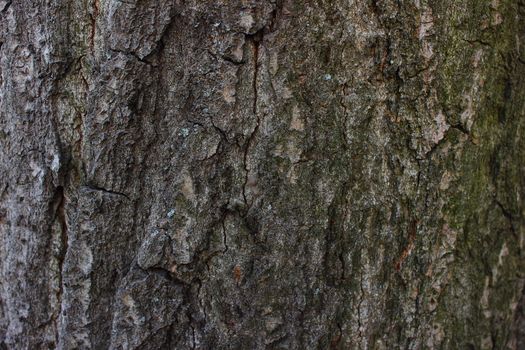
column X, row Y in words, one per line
column 262, row 174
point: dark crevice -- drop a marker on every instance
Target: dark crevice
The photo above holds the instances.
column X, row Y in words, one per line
column 157, row 50
column 226, row 58
column 412, row 231
column 199, row 300
column 343, row 265
column 133, row 55
column 416, row 74
column 161, row 43
column 418, row 180
column 334, row 238
column 166, row 275
column 6, row 6
column 344, row 94
column 278, row 9
column 153, row 334
column 255, row 41
column 361, row 297
column 304, row 160
column 232, row 61
column 519, row 321
column 221, row 132
column 508, row 215
column 224, row 241
column 460, row 127
column 505, row 212
column 58, row 207
column 334, row 344
column 196, row 123
column 476, row 41
column 170, row 334
column 193, row 343
column 95, row 12
column 59, row 216
column 111, row 192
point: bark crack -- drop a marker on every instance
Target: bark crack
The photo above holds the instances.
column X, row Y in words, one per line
column 95, row 10
column 476, row 41
column 228, row 59
column 460, row 127
column 412, row 230
column 161, row 41
column 6, row 6
column 224, row 241
column 507, row 214
column 134, row 55
column 59, row 201
column 255, row 40
column 152, row 334
column 344, row 88
column 337, row 339
column 101, row 189
column 165, row 274
column 343, row 266
column 199, row 299
column 220, row 131
column 361, row 297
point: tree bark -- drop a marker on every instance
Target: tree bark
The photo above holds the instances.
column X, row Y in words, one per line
column 272, row 174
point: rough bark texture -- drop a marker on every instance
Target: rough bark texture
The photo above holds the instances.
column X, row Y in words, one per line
column 262, row 174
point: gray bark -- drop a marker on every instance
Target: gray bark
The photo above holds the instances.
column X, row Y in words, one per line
column 271, row 174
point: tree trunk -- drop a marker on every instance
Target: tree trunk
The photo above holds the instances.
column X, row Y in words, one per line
column 268, row 174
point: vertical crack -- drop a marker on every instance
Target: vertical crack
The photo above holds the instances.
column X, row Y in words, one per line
column 193, row 345
column 508, row 215
column 343, row 266
column 199, row 299
column 224, row 242
column 59, row 201
column 255, row 40
column 337, row 339
column 95, row 12
column 412, row 231
column 344, row 93
column 361, row 297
